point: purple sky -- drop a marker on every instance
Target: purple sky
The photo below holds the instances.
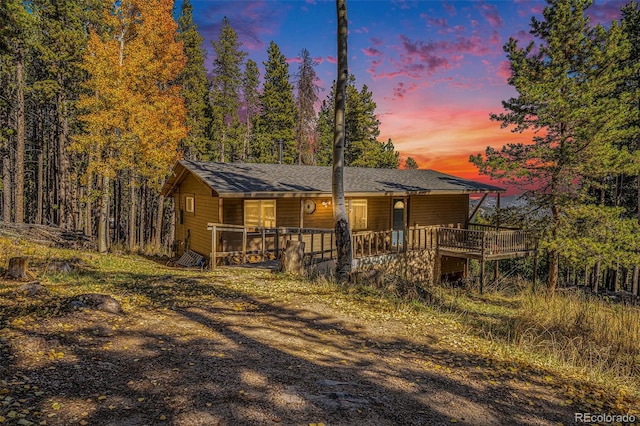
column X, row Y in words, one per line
column 436, row 69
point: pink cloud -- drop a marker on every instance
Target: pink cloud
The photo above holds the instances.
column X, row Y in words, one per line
column 376, row 41
column 418, row 59
column 318, row 60
column 437, row 22
column 332, row 59
column 504, row 70
column 401, row 89
column 491, row 14
column 604, row 13
column 372, row 52
column 450, row 9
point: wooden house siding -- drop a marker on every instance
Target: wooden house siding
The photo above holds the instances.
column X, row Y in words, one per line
column 428, row 210
column 205, row 211
column 379, row 213
column 321, row 218
column 288, row 212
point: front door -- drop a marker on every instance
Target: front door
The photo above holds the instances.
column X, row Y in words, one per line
column 398, row 221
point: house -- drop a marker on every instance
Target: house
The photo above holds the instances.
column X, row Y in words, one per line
column 250, row 209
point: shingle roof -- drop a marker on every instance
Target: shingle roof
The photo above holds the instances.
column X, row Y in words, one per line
column 251, row 180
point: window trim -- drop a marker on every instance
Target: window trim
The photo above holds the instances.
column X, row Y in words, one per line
column 190, row 204
column 351, row 214
column 261, row 220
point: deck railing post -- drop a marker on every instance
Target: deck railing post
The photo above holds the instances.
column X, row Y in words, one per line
column 244, row 245
column 214, row 240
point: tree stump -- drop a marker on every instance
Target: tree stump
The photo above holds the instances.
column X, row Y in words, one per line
column 18, row 268
column 293, row 258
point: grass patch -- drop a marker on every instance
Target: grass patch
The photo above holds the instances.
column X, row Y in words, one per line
column 586, row 349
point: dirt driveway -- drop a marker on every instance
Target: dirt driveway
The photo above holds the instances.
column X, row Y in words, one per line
column 203, row 351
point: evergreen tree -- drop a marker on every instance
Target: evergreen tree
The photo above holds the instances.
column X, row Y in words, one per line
column 565, row 93
column 195, row 87
column 323, row 149
column 631, row 28
column 307, row 89
column 276, row 123
column 225, row 93
column 250, row 83
column 16, row 37
column 410, row 164
column 362, row 149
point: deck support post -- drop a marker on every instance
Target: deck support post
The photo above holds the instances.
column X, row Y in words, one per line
column 244, row 245
column 481, row 274
column 535, row 272
column 495, row 270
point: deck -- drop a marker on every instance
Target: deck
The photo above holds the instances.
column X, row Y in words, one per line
column 242, row 245
column 483, row 242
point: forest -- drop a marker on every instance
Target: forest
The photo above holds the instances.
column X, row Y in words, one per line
column 578, row 92
column 99, row 99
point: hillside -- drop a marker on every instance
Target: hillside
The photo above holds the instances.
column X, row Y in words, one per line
column 252, row 347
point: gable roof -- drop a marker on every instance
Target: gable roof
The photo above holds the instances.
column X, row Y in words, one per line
column 252, row 180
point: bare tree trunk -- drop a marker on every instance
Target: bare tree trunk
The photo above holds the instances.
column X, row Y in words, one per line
column 63, row 160
column 40, row 194
column 20, row 148
column 88, row 221
column 6, row 187
column 554, row 257
column 596, row 277
column 103, row 218
column 343, row 234
column 132, row 213
column 171, row 238
column 157, row 235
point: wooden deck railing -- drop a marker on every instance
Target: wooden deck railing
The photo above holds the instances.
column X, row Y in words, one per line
column 487, row 241
column 244, row 244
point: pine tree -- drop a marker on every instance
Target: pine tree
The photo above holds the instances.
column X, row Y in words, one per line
column 225, row 93
column 251, row 96
column 195, row 87
column 306, row 100
column 362, row 149
column 16, row 37
column 410, row 164
column 62, row 42
column 276, row 123
column 565, row 93
column 323, row 149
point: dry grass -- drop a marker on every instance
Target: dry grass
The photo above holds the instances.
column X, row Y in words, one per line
column 593, row 342
column 585, row 351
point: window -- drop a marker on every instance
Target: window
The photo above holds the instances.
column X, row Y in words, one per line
column 260, row 213
column 189, row 204
column 358, row 214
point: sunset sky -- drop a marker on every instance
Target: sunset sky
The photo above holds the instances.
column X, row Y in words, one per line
column 436, row 69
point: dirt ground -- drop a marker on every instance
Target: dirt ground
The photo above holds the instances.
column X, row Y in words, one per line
column 199, row 353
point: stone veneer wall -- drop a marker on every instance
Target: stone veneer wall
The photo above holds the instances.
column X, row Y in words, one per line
column 420, row 266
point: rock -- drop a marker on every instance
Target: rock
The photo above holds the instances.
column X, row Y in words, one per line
column 58, row 266
column 33, row 289
column 101, row 302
